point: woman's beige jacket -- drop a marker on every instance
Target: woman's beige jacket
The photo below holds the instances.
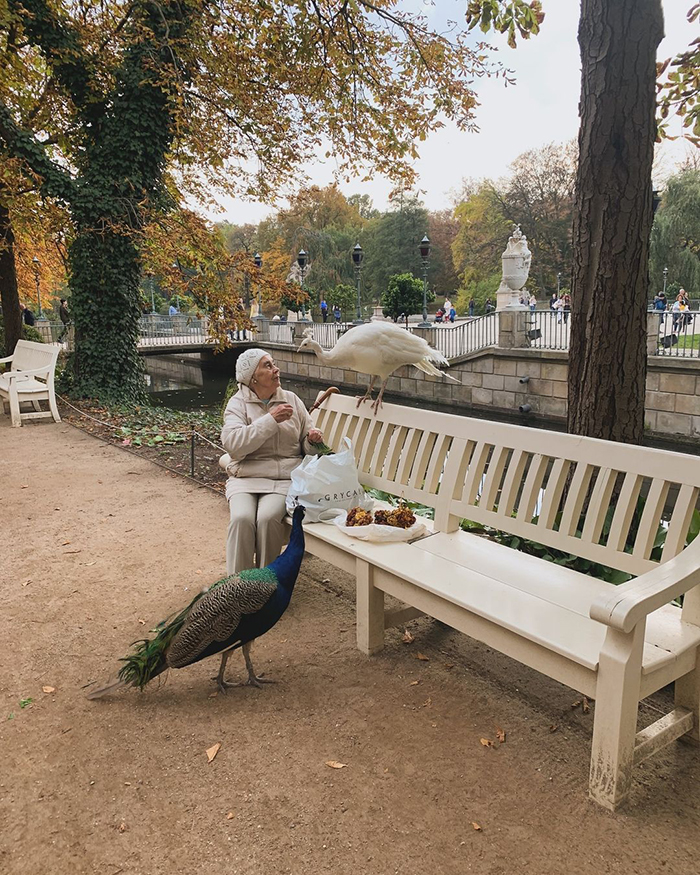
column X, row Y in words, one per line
column 263, row 453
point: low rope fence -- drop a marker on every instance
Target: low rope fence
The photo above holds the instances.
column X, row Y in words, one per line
column 190, row 437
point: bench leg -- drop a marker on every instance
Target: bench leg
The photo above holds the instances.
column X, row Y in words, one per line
column 370, row 610
column 615, row 726
column 14, row 410
column 688, row 687
column 53, row 408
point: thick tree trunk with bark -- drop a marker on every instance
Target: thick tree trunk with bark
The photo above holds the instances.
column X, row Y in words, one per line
column 9, row 296
column 612, row 218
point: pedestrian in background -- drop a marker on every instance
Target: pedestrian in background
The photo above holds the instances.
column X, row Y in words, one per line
column 472, row 306
column 324, row 310
column 64, row 316
column 27, row 315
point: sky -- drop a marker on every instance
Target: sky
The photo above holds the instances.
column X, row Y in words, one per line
column 541, row 108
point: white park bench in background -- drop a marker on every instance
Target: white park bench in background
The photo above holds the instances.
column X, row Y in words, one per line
column 598, row 500
column 30, row 380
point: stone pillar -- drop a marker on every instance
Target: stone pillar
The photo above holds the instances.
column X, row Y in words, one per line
column 428, row 334
column 653, row 326
column 262, row 329
column 513, row 326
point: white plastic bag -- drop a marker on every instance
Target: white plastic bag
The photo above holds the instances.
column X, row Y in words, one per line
column 325, row 485
column 380, row 533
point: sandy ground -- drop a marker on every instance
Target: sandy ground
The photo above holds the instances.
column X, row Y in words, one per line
column 95, row 541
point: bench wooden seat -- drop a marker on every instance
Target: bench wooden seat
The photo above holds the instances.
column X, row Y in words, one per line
column 31, row 379
column 600, row 501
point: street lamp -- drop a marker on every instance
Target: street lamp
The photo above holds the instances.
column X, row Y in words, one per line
column 665, row 273
column 36, row 264
column 357, row 256
column 558, row 283
column 257, row 259
column 424, row 249
column 302, row 261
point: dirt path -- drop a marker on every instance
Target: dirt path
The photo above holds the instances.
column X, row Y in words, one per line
column 96, row 541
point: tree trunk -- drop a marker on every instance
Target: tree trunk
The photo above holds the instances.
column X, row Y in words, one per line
column 105, row 307
column 612, row 218
column 9, row 296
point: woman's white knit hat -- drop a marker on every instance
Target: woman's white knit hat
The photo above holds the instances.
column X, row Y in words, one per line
column 247, row 363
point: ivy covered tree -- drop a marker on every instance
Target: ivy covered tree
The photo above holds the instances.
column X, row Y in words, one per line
column 235, row 93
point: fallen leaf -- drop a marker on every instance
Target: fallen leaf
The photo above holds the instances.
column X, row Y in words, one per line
column 575, row 704
column 422, row 656
column 554, row 727
column 122, row 826
column 476, row 826
column 414, row 683
column 428, row 703
column 585, row 707
column 24, row 486
column 501, row 735
column 49, row 689
column 230, row 815
column 486, row 742
column 142, row 622
column 333, row 764
column 407, row 637
column 198, row 571
column 212, row 751
column 27, row 582
column 449, row 665
column 65, row 543
column 214, row 694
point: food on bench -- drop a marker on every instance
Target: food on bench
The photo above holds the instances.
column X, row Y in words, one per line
column 401, row 518
column 358, row 517
column 381, row 517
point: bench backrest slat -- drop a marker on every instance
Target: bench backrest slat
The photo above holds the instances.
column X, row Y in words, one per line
column 29, row 356
column 599, row 500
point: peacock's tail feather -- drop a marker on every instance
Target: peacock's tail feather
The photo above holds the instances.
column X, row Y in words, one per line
column 111, row 685
column 148, row 659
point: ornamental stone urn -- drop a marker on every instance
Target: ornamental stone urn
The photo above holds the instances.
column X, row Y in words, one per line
column 516, row 269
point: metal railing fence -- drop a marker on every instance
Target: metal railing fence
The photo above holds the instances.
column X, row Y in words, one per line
column 679, row 333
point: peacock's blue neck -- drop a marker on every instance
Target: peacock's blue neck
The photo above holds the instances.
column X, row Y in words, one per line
column 286, row 566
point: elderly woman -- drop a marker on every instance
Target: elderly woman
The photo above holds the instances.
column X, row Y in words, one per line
column 266, row 432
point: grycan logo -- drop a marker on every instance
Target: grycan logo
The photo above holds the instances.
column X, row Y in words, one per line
column 341, row 496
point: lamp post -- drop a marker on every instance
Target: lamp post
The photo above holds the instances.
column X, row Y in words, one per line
column 257, row 259
column 665, row 273
column 36, row 264
column 302, row 261
column 424, row 249
column 558, row 283
column 357, row 256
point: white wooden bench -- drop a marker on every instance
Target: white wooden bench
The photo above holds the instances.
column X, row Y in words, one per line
column 615, row 644
column 30, row 380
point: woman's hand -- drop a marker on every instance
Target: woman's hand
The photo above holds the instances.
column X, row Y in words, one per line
column 282, row 412
column 315, row 436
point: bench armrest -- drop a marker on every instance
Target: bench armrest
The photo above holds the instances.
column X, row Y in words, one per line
column 8, row 358
column 35, row 372
column 630, row 602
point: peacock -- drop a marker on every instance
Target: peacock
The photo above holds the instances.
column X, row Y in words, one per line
column 230, row 614
column 378, row 349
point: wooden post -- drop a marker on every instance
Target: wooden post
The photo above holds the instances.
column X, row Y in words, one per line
column 615, row 726
column 370, row 610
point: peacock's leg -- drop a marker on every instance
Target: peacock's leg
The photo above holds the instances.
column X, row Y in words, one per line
column 253, row 679
column 222, row 684
column 378, row 403
column 368, row 393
